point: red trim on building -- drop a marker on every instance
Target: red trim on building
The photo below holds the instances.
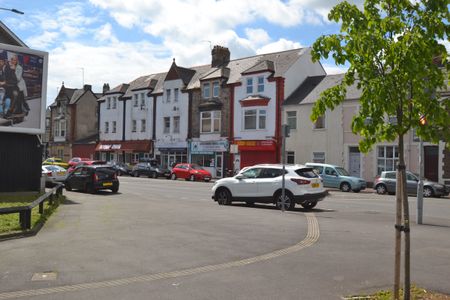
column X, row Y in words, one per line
column 254, row 102
column 125, row 146
column 279, row 102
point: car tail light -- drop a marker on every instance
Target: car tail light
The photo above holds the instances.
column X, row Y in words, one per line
column 94, row 177
column 114, row 175
column 300, row 181
column 49, row 173
column 377, row 178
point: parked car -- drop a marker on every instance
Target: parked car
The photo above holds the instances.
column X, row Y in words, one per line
column 91, row 178
column 190, row 172
column 53, row 174
column 338, row 177
column 263, row 184
column 75, row 160
column 149, row 169
column 120, row 168
column 387, row 182
column 55, row 161
column 88, row 163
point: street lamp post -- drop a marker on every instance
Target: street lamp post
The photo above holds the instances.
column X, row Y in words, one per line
column 12, row 10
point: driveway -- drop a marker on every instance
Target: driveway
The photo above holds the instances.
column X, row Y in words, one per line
column 162, row 239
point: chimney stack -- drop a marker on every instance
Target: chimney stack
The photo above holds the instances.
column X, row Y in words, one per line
column 87, row 87
column 220, row 56
column 105, row 88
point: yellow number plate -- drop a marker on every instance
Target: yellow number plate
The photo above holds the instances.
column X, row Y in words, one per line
column 61, row 173
column 315, row 185
column 107, row 183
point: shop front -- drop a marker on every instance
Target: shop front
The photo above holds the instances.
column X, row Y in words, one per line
column 124, row 151
column 252, row 152
column 210, row 155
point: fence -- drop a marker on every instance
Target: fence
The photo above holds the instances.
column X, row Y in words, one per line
column 25, row 211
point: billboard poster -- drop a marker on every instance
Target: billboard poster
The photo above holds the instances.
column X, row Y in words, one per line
column 23, row 89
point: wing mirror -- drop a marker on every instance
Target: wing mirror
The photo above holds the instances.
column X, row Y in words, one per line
column 239, row 177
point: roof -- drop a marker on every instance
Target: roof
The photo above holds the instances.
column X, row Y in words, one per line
column 120, row 89
column 64, row 94
column 303, row 90
column 262, row 66
column 9, row 37
column 328, row 82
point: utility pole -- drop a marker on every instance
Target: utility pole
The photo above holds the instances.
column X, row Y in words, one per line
column 285, row 132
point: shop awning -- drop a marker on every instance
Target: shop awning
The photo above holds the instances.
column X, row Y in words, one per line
column 144, row 146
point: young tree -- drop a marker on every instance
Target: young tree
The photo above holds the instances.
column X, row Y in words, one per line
column 397, row 61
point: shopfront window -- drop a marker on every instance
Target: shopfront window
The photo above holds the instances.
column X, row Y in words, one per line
column 204, row 160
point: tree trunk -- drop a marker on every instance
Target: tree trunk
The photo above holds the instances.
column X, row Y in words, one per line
column 398, row 222
column 405, row 227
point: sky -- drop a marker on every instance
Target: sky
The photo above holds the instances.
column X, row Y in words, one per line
column 115, row 41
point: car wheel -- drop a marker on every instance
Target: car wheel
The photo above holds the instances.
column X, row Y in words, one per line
column 115, row 189
column 428, row 191
column 223, row 196
column 309, row 204
column 173, row 176
column 381, row 189
column 345, row 187
column 154, row 175
column 192, row 177
column 68, row 187
column 289, row 203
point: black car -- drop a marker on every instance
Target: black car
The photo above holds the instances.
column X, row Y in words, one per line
column 150, row 169
column 120, row 168
column 91, row 178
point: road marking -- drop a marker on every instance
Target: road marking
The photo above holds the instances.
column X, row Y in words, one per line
column 312, row 237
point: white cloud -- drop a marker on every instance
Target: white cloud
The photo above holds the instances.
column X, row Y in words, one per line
column 43, row 41
column 105, row 33
column 280, row 45
column 257, row 36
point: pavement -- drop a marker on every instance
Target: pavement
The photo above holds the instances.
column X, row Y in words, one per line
column 162, row 239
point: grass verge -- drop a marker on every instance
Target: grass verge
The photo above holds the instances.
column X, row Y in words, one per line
column 10, row 223
column 416, row 294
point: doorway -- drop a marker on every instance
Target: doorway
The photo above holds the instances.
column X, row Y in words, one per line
column 219, row 163
column 354, row 161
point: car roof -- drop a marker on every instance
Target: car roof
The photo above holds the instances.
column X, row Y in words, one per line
column 322, row 165
column 287, row 166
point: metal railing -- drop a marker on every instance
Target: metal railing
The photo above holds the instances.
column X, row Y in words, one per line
column 25, row 211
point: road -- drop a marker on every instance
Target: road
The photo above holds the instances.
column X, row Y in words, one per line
column 163, row 239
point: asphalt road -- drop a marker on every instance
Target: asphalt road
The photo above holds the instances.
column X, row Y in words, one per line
column 163, row 239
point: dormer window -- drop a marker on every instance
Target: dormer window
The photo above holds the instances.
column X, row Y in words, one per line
column 206, row 90
column 215, row 89
column 260, row 84
column 249, row 85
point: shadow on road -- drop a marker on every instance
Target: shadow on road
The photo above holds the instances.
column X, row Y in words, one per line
column 273, row 207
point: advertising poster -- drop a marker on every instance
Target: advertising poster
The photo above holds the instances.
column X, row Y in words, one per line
column 23, row 82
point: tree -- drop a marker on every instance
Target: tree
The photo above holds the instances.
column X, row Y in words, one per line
column 395, row 58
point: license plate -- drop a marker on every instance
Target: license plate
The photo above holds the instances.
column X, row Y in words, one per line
column 315, row 185
column 107, row 184
column 207, row 178
column 61, row 173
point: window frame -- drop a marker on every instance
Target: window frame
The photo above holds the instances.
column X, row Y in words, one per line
column 168, row 95
column 258, row 117
column 143, row 125
column 106, row 127
column 206, row 87
column 108, row 103
column 133, row 126
column 260, row 84
column 290, row 120
column 215, row 115
column 114, row 127
column 166, row 121
column 176, row 124
column 385, row 158
column 136, row 100
column 249, row 85
column 176, row 92
column 215, row 89
column 320, row 123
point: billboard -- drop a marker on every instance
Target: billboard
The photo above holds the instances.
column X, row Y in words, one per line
column 23, row 89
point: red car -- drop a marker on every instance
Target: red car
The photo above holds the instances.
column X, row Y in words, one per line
column 75, row 160
column 190, row 172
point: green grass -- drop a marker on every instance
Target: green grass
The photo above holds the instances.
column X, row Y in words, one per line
column 10, row 223
column 416, row 294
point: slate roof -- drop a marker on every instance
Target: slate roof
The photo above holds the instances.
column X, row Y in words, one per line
column 265, row 65
column 66, row 95
column 303, row 90
column 120, row 89
column 317, row 87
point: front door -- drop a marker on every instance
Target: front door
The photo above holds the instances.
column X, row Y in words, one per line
column 172, row 160
column 354, row 162
column 219, row 163
column 431, row 163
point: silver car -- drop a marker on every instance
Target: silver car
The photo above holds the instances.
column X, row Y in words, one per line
column 387, row 182
column 53, row 174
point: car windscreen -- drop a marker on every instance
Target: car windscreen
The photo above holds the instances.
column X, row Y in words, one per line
column 105, row 172
column 306, row 172
column 342, row 171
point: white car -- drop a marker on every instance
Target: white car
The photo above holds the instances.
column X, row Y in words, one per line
column 53, row 174
column 263, row 184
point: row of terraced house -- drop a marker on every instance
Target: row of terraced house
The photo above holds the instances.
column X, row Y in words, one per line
column 224, row 116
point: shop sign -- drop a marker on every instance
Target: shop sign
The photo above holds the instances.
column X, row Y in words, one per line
column 263, row 143
column 209, row 146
